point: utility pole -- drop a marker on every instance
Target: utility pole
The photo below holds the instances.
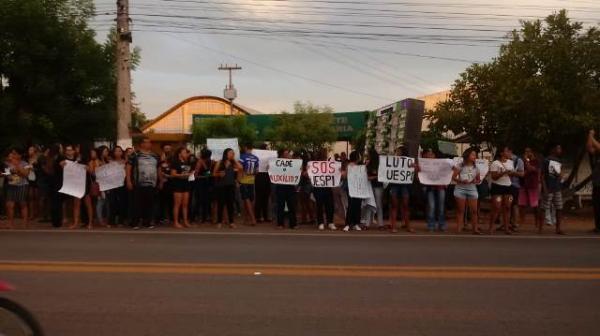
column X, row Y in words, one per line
column 230, row 93
column 123, row 74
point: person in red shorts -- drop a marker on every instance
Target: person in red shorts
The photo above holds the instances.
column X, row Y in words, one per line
column 529, row 194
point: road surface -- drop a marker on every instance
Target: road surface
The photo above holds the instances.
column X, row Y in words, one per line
column 296, row 283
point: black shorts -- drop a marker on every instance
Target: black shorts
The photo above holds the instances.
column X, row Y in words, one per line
column 500, row 190
column 247, row 191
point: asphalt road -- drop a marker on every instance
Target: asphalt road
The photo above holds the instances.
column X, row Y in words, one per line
column 194, row 283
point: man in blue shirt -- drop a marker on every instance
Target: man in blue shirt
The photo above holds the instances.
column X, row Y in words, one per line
column 249, row 162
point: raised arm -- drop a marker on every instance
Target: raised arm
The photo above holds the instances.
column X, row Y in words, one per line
column 593, row 145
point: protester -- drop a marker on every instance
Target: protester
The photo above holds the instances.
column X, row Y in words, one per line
column 593, row 146
column 305, row 207
column 516, row 177
column 263, row 194
column 16, row 171
column 529, row 193
column 354, row 204
column 400, row 193
column 165, row 187
column 501, row 170
column 324, row 202
column 100, row 197
column 181, row 170
column 285, row 199
column 142, row 179
column 552, row 176
column 206, row 202
column 372, row 163
column 467, row 176
column 226, row 173
column 33, row 157
column 83, row 158
column 436, row 202
column 249, row 164
column 118, row 199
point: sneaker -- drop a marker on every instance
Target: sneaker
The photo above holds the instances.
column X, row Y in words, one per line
column 332, row 227
column 357, row 228
column 346, row 228
column 137, row 227
column 151, row 226
column 321, row 227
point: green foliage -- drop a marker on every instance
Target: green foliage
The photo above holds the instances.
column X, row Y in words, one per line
column 308, row 128
column 544, row 86
column 223, row 127
column 59, row 82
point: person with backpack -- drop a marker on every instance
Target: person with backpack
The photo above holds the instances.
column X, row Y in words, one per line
column 142, row 180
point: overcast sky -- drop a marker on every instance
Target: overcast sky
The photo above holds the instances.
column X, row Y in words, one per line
column 349, row 54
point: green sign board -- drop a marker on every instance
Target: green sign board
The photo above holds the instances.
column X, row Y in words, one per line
column 346, row 124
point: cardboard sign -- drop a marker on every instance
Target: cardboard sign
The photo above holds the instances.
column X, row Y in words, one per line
column 396, row 169
column 359, row 185
column 437, row 172
column 218, row 146
column 264, row 156
column 325, row 174
column 110, row 176
column 74, row 178
column 285, row 171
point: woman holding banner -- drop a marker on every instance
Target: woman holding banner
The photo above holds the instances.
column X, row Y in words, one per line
column 467, row 176
column 436, row 201
column 117, row 198
column 354, row 204
column 324, row 199
column 226, row 173
column 501, row 170
column 372, row 172
column 400, row 193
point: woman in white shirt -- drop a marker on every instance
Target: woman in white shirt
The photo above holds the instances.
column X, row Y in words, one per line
column 501, row 170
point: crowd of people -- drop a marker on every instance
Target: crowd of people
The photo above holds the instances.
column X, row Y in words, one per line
column 179, row 189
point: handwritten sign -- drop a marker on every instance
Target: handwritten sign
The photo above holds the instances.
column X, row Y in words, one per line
column 436, row 172
column 285, row 171
column 218, row 146
column 264, row 156
column 325, row 174
column 110, row 176
column 359, row 185
column 74, row 178
column 396, row 169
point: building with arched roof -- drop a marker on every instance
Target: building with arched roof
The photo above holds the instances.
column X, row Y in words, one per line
column 175, row 124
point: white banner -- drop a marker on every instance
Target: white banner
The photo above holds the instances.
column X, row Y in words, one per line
column 110, row 176
column 285, row 171
column 74, row 179
column 435, row 172
column 218, row 146
column 359, row 185
column 483, row 166
column 396, row 169
column 264, row 156
column 326, row 174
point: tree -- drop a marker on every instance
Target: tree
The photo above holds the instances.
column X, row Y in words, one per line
column 308, row 128
column 544, row 86
column 223, row 127
column 59, row 83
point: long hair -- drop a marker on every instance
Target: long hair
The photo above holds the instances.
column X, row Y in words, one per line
column 373, row 159
column 225, row 154
column 467, row 153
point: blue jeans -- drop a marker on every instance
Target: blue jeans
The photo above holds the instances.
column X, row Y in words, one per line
column 436, row 201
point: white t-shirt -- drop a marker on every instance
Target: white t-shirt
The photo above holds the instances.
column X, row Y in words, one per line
column 499, row 167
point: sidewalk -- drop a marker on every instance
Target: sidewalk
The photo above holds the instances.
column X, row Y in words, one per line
column 577, row 223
